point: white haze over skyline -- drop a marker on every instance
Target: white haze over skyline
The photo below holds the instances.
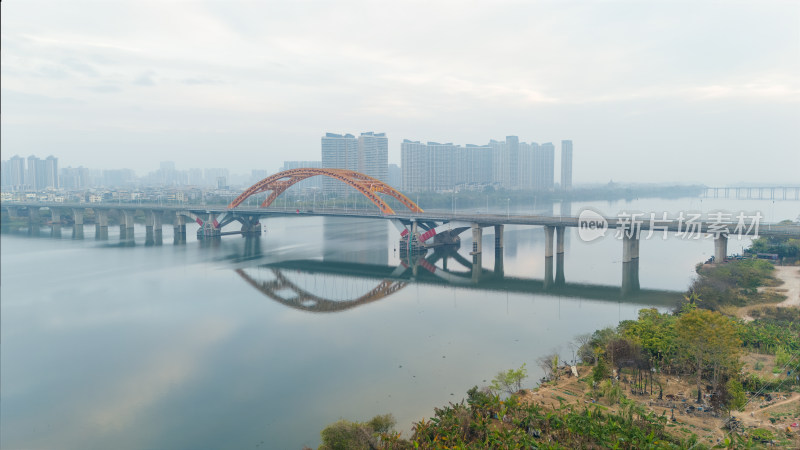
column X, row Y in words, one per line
column 648, row 91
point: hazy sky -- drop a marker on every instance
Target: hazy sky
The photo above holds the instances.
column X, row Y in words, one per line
column 648, row 91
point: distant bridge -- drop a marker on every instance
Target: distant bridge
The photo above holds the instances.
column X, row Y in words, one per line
column 418, row 229
column 753, row 192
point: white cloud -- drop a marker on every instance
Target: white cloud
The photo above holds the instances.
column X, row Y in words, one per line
column 291, row 71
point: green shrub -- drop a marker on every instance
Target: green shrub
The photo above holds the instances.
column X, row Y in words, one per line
column 509, row 381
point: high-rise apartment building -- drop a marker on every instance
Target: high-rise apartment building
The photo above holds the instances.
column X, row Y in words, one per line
column 373, row 155
column 395, row 179
column 369, row 154
column 414, row 162
column 566, row 165
column 74, row 178
column 338, row 152
column 14, row 173
column 308, row 183
column 544, row 167
column 511, row 163
column 51, row 172
column 444, row 167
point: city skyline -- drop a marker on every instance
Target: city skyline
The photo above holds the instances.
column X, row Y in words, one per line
column 118, row 84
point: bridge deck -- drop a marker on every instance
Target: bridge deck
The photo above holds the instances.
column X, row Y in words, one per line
column 765, row 229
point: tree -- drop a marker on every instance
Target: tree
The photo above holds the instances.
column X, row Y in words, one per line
column 710, row 341
column 654, row 331
column 549, row 364
column 347, row 435
column 510, row 381
column 600, row 371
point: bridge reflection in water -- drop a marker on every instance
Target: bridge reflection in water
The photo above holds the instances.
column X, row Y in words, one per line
column 443, row 267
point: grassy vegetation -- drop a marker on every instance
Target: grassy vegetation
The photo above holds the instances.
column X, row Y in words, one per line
column 733, row 284
column 486, row 421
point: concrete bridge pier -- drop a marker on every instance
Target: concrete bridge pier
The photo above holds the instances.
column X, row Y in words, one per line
column 720, row 248
column 55, row 216
column 153, row 227
column 179, row 229
column 55, row 222
column 630, row 248
column 77, row 216
column 548, row 273
column 126, row 225
column 477, row 239
column 101, row 224
column 549, row 231
column 498, row 251
column 33, row 216
column 630, row 277
column 251, row 226
column 560, row 278
column 477, row 252
column 77, row 219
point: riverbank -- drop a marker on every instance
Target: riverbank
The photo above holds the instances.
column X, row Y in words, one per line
column 788, row 287
column 696, row 377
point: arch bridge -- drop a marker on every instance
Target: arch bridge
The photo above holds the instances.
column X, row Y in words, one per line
column 368, row 186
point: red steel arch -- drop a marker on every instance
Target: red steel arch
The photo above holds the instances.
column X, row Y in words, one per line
column 369, row 187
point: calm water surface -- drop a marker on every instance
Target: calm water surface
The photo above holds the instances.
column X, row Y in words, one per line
column 208, row 346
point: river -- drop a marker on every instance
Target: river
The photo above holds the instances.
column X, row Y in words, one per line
column 190, row 346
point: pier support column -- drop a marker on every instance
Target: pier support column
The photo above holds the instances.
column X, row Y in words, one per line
column 477, row 267
column 55, row 222
column 548, row 241
column 477, row 252
column 179, row 229
column 560, row 231
column 561, row 280
column 251, row 226
column 720, row 248
column 33, row 216
column 101, row 224
column 630, row 248
column 630, row 277
column 477, row 239
column 77, row 219
column 498, row 236
column 77, row 216
column 55, row 217
column 153, row 225
column 126, row 225
column 548, row 272
column 498, row 251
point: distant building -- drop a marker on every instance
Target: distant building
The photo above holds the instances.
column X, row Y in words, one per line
column 395, row 179
column 373, row 155
column 338, row 152
column 13, row 176
column 51, row 172
column 213, row 175
column 308, row 183
column 257, row 175
column 74, row 178
column 368, row 154
column 444, row 167
column 511, row 163
column 566, row 165
column 544, row 167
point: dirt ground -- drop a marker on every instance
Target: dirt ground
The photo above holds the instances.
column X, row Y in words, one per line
column 777, row 412
column 677, row 402
column 790, row 275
